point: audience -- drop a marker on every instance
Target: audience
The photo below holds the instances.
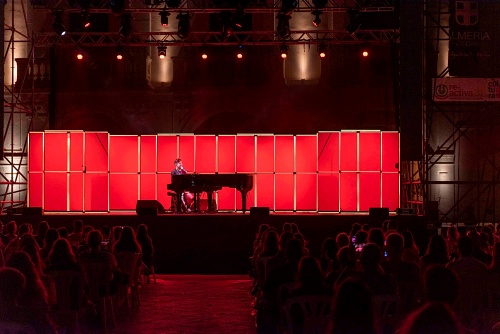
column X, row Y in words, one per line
column 432, row 318
column 77, row 235
column 147, row 249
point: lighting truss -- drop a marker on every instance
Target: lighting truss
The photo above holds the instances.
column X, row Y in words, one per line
column 211, row 6
column 47, row 39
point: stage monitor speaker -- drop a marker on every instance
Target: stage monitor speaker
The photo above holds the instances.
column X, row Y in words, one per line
column 32, row 211
column 259, row 211
column 379, row 213
column 148, row 207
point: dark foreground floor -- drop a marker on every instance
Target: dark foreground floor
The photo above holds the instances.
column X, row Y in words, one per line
column 192, row 304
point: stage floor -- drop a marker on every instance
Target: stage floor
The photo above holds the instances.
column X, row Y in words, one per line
column 221, row 243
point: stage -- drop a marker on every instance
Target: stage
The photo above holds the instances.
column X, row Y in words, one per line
column 221, row 243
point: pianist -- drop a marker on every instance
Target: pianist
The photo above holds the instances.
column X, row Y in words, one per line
column 187, row 198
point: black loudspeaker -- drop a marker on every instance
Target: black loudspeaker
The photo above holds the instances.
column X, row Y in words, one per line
column 379, row 213
column 149, row 207
column 32, row 211
column 259, row 211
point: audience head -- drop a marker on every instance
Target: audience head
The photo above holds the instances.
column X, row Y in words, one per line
column 61, row 254
column 346, row 257
column 270, row 243
column 376, row 236
column 355, row 228
column 25, row 228
column 77, row 226
column 408, row 240
column 12, row 284
column 295, row 228
column 441, row 284
column 106, row 231
column 484, row 242
column 94, row 239
column 10, row 228
column 394, row 245
column 293, row 251
column 142, row 231
column 432, row 318
column 452, row 233
column 465, row 246
column 117, row 232
column 43, row 227
column 29, row 245
column 352, row 309
column 284, row 238
column 361, row 237
column 63, row 232
column 366, row 227
column 370, row 258
column 342, row 240
column 392, row 225
column 127, row 241
column 489, row 231
column 309, row 272
column 329, row 248
column 438, row 248
column 287, row 227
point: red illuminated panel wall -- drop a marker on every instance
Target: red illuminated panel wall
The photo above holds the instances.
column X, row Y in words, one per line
column 328, row 172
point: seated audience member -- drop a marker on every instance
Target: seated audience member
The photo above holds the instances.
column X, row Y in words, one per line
column 63, row 232
column 127, row 242
column 473, row 297
column 452, row 236
column 13, row 246
column 259, row 237
column 347, row 261
column 96, row 256
column 279, row 258
column 354, row 229
column 77, row 235
column 411, row 253
column 12, row 286
column 328, row 260
column 106, row 238
column 441, row 285
column 3, row 239
column 43, row 227
column 342, row 240
column 477, row 252
column 309, row 279
column 437, row 253
column 287, row 227
column 51, row 237
column 366, row 228
column 270, row 248
column 82, row 245
column 117, row 231
column 432, row 318
column 295, row 228
column 378, row 283
column 146, row 247
column 361, row 238
column 352, row 310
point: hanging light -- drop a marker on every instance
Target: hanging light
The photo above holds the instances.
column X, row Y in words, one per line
column 322, row 50
column 284, row 51
column 354, row 22
column 119, row 52
column 183, row 25
column 283, row 28
column 164, row 18
column 317, row 18
column 57, row 25
column 162, row 51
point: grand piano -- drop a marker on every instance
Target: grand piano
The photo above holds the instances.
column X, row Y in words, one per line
column 209, row 183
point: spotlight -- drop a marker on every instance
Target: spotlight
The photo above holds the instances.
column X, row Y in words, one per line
column 365, row 53
column 79, row 55
column 57, row 25
column 164, row 18
column 162, row 51
column 126, row 25
column 183, row 25
column 284, row 51
column 354, row 22
column 117, row 6
column 239, row 55
column 204, row 56
column 317, row 19
column 238, row 18
column 86, row 19
column 119, row 52
column 283, row 28
column 322, row 50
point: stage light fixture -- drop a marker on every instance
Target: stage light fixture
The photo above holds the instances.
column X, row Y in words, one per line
column 284, row 51
column 57, row 25
column 79, row 55
column 204, row 56
column 238, row 18
column 239, row 53
column 164, row 18
column 126, row 25
column 86, row 19
column 119, row 52
column 365, row 53
column 322, row 50
column 317, row 18
column 183, row 25
column 354, row 22
column 162, row 51
column 283, row 28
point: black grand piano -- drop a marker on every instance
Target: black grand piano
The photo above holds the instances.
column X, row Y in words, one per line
column 209, row 183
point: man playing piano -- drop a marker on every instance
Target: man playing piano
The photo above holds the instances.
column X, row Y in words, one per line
column 187, row 198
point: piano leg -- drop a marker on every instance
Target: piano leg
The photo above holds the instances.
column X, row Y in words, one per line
column 179, row 202
column 209, row 199
column 243, row 200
